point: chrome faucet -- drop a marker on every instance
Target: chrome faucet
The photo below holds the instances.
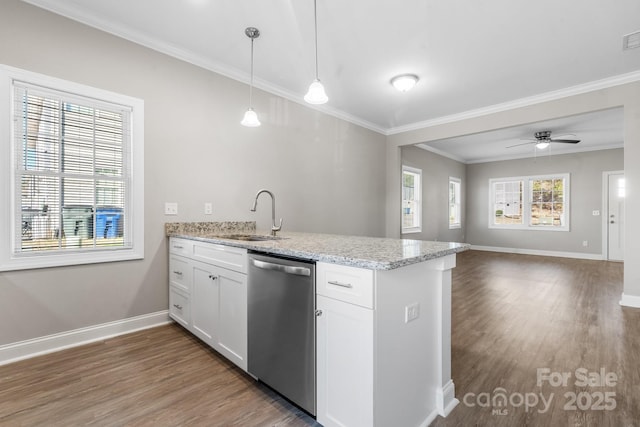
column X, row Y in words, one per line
column 274, row 228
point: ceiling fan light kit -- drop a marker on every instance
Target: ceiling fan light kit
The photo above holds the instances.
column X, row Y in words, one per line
column 404, row 82
column 250, row 118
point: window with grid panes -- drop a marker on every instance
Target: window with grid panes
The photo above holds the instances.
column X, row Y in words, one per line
column 76, row 173
column 530, row 202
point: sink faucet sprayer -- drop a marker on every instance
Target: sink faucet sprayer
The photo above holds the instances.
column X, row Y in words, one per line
column 274, row 228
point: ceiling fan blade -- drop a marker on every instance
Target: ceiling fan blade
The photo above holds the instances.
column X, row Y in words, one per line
column 524, row 143
column 566, row 141
column 565, row 136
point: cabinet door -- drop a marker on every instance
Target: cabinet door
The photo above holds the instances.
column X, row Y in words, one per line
column 231, row 339
column 345, row 363
column 204, row 302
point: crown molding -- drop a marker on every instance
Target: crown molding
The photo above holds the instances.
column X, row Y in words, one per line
column 67, row 10
column 522, row 102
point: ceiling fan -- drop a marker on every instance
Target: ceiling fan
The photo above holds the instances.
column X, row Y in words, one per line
column 543, row 139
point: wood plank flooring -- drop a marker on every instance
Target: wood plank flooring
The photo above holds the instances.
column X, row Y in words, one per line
column 512, row 314
column 515, row 314
column 156, row 377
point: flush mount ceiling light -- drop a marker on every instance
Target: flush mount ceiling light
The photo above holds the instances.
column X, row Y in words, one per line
column 542, row 145
column 250, row 117
column 404, row 82
column 316, row 93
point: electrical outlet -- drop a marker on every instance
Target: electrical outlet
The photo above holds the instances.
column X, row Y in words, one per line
column 170, row 208
column 411, row 312
column 208, row 208
column 595, row 213
column 585, row 243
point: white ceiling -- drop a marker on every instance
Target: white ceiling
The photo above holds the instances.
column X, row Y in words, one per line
column 596, row 131
column 471, row 56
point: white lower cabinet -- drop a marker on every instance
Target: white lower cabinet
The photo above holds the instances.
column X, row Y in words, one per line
column 344, row 364
column 345, row 347
column 210, row 300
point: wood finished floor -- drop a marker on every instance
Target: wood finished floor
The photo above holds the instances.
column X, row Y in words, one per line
column 512, row 314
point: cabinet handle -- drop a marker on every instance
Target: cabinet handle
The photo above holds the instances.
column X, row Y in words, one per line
column 212, row 277
column 178, row 247
column 178, row 306
column 344, row 285
column 179, row 273
column 318, row 313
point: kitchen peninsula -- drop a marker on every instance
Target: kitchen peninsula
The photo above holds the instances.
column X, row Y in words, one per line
column 383, row 341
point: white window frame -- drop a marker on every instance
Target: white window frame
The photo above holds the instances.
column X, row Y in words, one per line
column 457, row 204
column 527, row 195
column 10, row 258
column 415, row 228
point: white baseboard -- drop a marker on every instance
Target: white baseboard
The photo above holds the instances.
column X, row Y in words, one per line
column 558, row 254
column 445, row 399
column 630, row 301
column 48, row 344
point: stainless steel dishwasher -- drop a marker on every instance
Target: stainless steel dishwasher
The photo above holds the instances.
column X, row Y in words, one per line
column 282, row 327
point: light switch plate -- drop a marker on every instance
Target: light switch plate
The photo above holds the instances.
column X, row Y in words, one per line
column 171, row 208
column 596, row 213
column 208, row 208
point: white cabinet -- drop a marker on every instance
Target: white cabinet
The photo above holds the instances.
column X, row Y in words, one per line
column 344, row 363
column 344, row 346
column 377, row 365
column 208, row 294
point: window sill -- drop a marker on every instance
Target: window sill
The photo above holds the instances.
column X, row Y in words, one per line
column 29, row 262
column 412, row 230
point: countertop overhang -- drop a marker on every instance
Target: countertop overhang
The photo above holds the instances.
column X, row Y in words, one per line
column 374, row 253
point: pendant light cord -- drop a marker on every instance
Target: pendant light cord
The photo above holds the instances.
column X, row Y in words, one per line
column 315, row 21
column 251, row 84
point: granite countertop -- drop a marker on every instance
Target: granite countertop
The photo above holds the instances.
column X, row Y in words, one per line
column 373, row 253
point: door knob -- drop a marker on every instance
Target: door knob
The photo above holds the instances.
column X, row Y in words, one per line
column 318, row 313
column 613, row 222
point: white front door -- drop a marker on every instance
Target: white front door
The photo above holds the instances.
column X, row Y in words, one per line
column 615, row 217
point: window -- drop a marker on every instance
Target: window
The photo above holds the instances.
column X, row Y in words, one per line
column 455, row 219
column 72, row 157
column 411, row 200
column 531, row 202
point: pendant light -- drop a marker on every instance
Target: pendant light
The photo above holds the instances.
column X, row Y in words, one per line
column 316, row 93
column 250, row 117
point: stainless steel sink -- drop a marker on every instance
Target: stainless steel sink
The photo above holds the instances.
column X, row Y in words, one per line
column 250, row 237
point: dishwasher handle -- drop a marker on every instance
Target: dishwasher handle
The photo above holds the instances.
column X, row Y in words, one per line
column 289, row 269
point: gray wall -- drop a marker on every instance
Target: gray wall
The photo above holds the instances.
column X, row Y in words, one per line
column 436, row 171
column 586, row 196
column 623, row 95
column 324, row 171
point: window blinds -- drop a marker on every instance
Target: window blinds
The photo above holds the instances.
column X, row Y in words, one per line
column 73, row 172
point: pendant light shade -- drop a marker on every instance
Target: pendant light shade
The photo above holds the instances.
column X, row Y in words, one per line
column 316, row 93
column 542, row 145
column 250, row 117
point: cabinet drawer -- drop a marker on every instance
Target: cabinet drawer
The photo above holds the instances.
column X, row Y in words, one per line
column 180, row 246
column 349, row 284
column 179, row 272
column 228, row 257
column 179, row 309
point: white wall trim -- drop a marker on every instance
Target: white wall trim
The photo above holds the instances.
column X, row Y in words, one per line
column 522, row 102
column 557, row 254
column 445, row 399
column 48, row 344
column 199, row 60
column 630, row 301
